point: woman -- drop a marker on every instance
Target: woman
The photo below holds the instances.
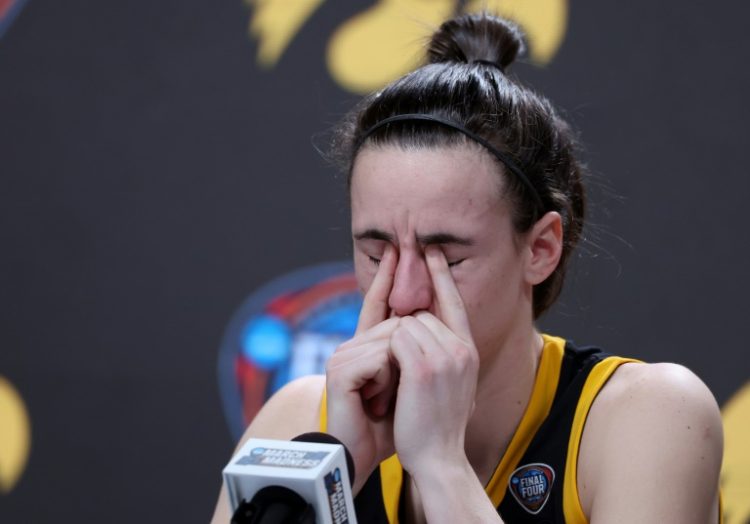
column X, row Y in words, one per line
column 466, row 203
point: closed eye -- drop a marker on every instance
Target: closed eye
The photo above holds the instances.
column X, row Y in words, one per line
column 376, row 261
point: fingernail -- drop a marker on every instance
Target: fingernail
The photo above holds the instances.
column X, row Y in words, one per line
column 390, row 252
column 433, row 252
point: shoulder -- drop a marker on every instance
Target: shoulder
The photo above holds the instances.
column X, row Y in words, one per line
column 291, row 411
column 667, row 387
column 669, row 391
column 652, row 426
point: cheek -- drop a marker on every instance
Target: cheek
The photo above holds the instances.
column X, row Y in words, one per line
column 472, row 293
column 482, row 290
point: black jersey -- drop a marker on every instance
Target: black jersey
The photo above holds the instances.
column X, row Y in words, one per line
column 535, row 481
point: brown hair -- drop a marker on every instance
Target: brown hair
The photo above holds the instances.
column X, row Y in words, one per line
column 465, row 81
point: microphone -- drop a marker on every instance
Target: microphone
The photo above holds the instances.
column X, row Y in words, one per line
column 303, row 481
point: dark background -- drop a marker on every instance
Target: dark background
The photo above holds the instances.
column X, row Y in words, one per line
column 152, row 176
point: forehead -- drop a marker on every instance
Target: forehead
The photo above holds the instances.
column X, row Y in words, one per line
column 427, row 187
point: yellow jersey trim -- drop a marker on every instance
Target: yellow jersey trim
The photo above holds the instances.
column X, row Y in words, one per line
column 540, row 403
column 323, row 413
column 599, row 376
column 391, row 479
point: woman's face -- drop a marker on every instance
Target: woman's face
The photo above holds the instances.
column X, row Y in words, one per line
column 451, row 197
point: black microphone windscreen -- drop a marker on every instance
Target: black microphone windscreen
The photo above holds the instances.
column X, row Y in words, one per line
column 325, row 438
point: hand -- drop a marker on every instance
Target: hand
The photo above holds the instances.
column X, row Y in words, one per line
column 439, row 366
column 361, row 379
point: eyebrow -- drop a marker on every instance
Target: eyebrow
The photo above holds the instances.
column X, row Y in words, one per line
column 439, row 238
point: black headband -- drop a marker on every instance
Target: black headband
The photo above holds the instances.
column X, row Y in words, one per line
column 502, row 157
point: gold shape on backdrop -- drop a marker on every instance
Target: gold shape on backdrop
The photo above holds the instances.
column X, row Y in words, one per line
column 387, row 40
column 384, row 42
column 543, row 21
column 735, row 472
column 15, row 436
column 275, row 23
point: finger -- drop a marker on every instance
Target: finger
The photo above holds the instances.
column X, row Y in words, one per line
column 450, row 304
column 378, row 347
column 451, row 343
column 380, row 331
column 407, row 351
column 429, row 341
column 367, row 369
column 380, row 383
column 435, row 326
column 381, row 403
column 375, row 304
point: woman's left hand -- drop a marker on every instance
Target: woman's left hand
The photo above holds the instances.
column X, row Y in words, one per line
column 439, row 365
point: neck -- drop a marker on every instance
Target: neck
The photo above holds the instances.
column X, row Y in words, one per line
column 505, row 384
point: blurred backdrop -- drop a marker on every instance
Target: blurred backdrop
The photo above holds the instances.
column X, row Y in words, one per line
column 165, row 218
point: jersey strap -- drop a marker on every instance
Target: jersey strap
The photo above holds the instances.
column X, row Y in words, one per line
column 599, row 375
column 540, row 403
column 543, row 486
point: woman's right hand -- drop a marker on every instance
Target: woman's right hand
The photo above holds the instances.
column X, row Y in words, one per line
column 361, row 380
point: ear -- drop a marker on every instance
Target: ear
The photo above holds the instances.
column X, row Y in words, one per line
column 544, row 247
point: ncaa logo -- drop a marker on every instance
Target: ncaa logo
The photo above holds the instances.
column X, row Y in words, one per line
column 531, row 485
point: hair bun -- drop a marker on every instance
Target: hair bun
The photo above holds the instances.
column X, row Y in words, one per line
column 479, row 38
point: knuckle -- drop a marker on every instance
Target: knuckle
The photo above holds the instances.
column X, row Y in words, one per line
column 400, row 334
column 441, row 366
column 462, row 353
column 466, row 357
column 424, row 375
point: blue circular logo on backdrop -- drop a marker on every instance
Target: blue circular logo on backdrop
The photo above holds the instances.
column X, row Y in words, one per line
column 285, row 330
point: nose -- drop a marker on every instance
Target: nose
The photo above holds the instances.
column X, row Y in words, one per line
column 412, row 286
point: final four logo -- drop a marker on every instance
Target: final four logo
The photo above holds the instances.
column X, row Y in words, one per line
column 531, row 485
